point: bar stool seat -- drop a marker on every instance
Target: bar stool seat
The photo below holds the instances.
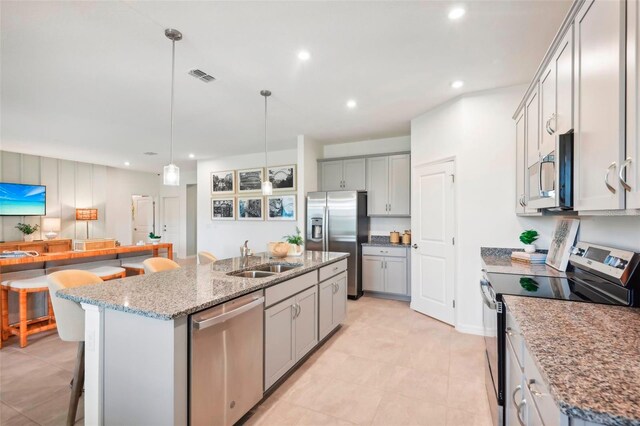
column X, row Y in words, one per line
column 135, row 268
column 24, row 327
column 108, row 272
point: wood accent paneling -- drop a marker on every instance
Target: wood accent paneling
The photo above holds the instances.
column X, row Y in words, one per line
column 47, row 246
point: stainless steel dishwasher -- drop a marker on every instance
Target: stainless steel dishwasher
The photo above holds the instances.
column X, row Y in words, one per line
column 226, row 360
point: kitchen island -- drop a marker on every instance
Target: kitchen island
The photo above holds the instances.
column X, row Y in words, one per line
column 137, row 329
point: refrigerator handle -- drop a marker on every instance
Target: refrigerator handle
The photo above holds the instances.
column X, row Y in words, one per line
column 325, row 237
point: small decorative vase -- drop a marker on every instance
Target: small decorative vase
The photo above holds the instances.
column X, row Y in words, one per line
column 28, row 238
column 154, row 241
column 529, row 248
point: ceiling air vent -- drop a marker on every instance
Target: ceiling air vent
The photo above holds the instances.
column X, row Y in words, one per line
column 201, row 75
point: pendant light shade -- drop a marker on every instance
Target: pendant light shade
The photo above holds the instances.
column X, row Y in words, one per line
column 267, row 187
column 171, row 174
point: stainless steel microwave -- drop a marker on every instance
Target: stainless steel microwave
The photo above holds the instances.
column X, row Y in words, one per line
column 550, row 180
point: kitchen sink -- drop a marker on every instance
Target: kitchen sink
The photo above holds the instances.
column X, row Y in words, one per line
column 252, row 274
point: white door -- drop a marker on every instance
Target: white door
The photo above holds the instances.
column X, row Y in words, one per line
column 354, row 176
column 400, row 185
column 433, row 226
column 378, row 186
column 171, row 221
column 143, row 217
column 599, row 105
column 331, row 175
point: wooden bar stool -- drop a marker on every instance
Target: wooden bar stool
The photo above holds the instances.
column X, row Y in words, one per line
column 71, row 325
column 107, row 273
column 204, row 258
column 25, row 327
column 133, row 268
column 158, row 264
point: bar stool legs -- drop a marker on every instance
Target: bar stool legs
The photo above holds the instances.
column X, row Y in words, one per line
column 78, row 385
column 5, row 313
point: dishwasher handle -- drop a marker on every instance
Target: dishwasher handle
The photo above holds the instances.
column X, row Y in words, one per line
column 210, row 322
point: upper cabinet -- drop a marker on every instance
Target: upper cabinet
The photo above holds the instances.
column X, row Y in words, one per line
column 599, row 105
column 388, row 185
column 629, row 174
column 343, row 175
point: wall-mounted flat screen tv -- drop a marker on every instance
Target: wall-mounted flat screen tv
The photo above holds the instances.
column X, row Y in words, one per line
column 22, row 200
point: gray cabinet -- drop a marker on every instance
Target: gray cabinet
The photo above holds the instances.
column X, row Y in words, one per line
column 345, row 175
column 332, row 295
column 385, row 270
column 389, row 185
column 630, row 171
column 291, row 330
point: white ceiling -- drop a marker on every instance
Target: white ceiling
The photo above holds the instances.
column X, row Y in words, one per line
column 90, row 81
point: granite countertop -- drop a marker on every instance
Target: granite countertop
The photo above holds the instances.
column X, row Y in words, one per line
column 498, row 260
column 171, row 294
column 383, row 241
column 588, row 354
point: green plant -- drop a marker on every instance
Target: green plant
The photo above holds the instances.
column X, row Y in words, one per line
column 153, row 236
column 294, row 239
column 529, row 284
column 529, row 236
column 27, row 229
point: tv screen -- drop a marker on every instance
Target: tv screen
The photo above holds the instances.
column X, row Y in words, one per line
column 22, row 200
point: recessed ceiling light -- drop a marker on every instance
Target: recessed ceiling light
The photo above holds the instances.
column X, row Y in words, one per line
column 126, row 163
column 192, row 156
column 351, row 104
column 304, row 55
column 456, row 13
column 457, row 84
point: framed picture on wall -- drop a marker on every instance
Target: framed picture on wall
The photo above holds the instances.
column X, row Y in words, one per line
column 283, row 178
column 281, row 207
column 223, row 182
column 223, row 208
column 250, row 180
column 250, row 208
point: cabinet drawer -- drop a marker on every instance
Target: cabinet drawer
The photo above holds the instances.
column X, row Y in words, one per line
column 329, row 271
column 384, row 251
column 540, row 396
column 286, row 289
column 514, row 336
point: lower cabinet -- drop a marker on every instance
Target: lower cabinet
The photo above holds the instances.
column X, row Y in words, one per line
column 386, row 273
column 332, row 295
column 291, row 330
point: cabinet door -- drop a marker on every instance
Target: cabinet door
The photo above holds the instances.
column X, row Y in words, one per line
column 377, row 186
column 332, row 175
column 520, row 163
column 563, row 63
column 547, row 110
column 530, row 412
column 513, row 393
column 395, row 269
column 372, row 273
column 340, row 299
column 354, row 174
column 400, row 185
column 599, row 104
column 306, row 321
column 279, row 347
column 631, row 174
column 325, row 307
column 532, row 117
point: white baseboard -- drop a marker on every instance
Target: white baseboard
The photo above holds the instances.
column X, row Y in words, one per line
column 470, row 329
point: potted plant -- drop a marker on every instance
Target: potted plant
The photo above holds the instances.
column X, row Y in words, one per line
column 27, row 230
column 153, row 238
column 528, row 238
column 295, row 243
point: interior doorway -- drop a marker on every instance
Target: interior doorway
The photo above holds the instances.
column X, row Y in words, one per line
column 143, row 217
column 170, row 214
column 192, row 219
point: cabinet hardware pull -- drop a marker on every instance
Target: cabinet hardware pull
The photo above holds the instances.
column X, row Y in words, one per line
column 550, row 129
column 546, row 126
column 513, row 395
column 510, row 331
column 623, row 167
column 522, row 404
column 534, row 391
column 299, row 309
column 606, row 178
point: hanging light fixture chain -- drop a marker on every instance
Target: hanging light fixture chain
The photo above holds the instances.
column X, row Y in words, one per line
column 173, row 71
column 266, row 163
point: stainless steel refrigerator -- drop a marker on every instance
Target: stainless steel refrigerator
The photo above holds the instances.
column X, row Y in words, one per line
column 337, row 221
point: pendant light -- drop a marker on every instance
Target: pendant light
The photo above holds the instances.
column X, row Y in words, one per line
column 171, row 175
column 267, row 187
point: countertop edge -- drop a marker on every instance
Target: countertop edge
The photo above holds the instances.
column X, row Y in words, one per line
column 156, row 315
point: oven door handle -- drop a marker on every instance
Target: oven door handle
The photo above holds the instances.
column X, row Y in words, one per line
column 488, row 300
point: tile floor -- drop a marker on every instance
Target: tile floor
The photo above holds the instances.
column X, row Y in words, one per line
column 387, row 365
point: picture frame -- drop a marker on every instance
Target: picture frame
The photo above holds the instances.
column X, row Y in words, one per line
column 281, row 207
column 564, row 238
column 250, row 208
column 223, row 208
column 250, row 180
column 223, row 182
column 283, row 178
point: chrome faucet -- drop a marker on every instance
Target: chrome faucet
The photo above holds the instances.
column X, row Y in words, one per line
column 245, row 253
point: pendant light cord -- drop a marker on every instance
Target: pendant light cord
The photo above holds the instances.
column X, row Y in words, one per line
column 266, row 164
column 173, row 70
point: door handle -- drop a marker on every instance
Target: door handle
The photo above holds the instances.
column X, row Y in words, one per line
column 623, row 167
column 606, row 178
column 415, row 246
